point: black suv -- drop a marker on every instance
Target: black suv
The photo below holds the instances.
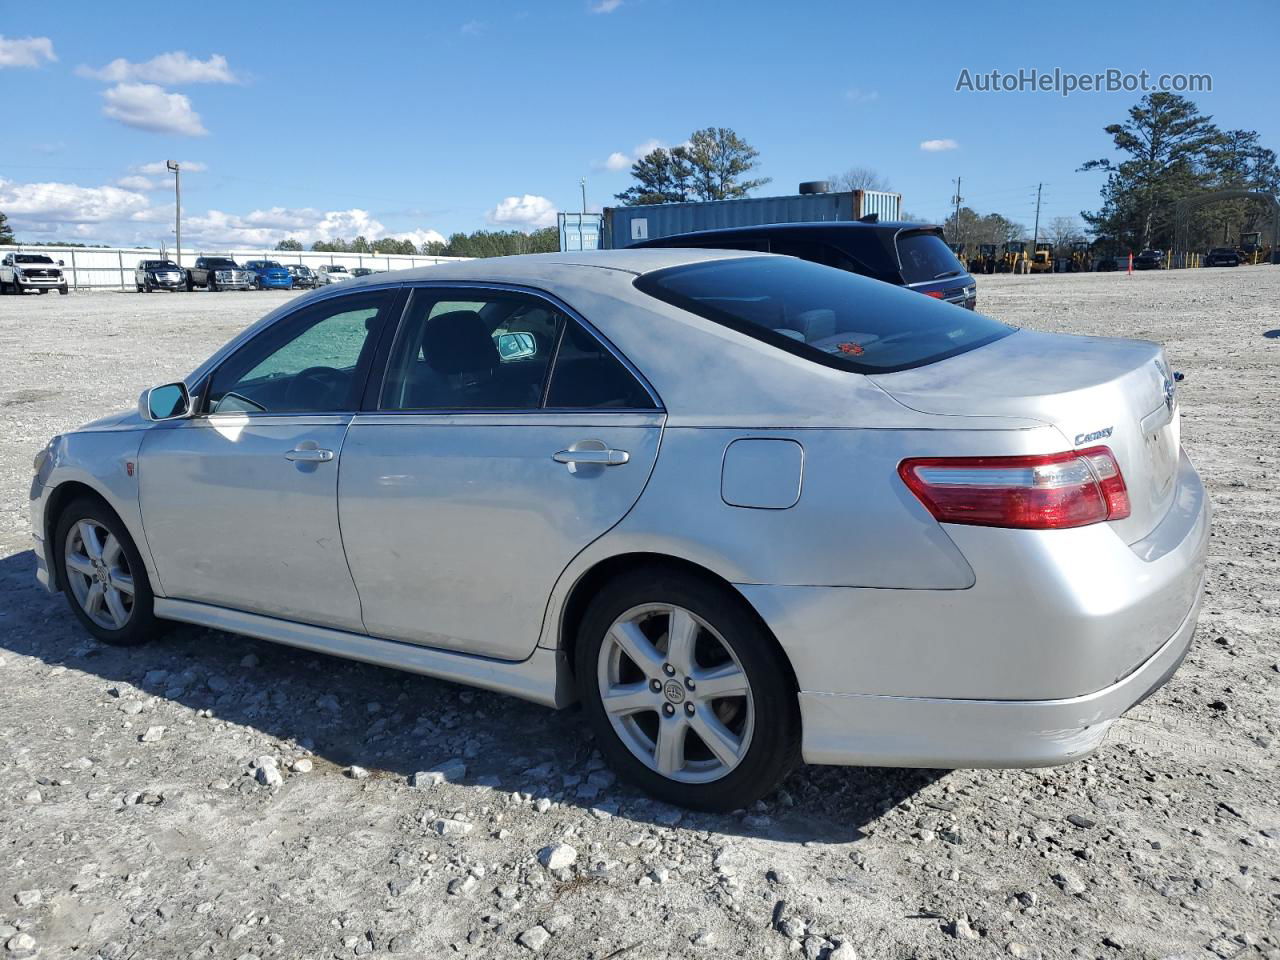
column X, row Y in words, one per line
column 1222, row 257
column 1149, row 260
column 913, row 255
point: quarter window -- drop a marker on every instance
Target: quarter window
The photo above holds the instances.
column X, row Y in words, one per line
column 587, row 375
column 312, row 362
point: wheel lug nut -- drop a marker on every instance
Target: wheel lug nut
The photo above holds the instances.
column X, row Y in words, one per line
column 688, row 682
column 655, row 686
column 688, row 708
column 668, row 669
column 668, row 709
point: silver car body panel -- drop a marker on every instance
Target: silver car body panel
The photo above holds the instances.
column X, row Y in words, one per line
column 230, row 521
column 912, row 642
column 543, row 678
column 472, row 512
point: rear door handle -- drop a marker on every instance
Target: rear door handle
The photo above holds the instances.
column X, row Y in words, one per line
column 605, row 458
column 309, row 455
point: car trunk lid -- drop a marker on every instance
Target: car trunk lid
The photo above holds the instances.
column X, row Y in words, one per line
column 1095, row 390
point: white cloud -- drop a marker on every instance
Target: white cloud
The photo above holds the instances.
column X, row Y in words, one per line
column 605, row 6
column 935, row 146
column 175, row 68
column 857, row 95
column 135, row 183
column 472, row 27
column 68, row 202
column 149, row 107
column 619, row 161
column 25, row 51
column 160, row 166
column 419, row 237
column 124, row 216
column 523, row 212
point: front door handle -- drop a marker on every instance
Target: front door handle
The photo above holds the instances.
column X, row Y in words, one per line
column 309, row 455
column 605, row 457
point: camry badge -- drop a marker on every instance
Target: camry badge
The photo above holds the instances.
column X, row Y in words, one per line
column 1096, row 435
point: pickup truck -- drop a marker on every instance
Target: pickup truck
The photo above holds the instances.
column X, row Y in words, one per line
column 218, row 273
column 20, row 272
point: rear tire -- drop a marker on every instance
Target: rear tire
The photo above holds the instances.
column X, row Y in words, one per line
column 103, row 576
column 712, row 723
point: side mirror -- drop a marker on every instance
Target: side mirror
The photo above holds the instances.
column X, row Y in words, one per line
column 168, row 402
column 516, row 346
column 61, row 264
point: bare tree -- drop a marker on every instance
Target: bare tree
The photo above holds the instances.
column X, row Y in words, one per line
column 858, row 178
column 1064, row 230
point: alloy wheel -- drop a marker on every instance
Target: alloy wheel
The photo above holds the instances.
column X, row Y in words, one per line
column 98, row 572
column 675, row 693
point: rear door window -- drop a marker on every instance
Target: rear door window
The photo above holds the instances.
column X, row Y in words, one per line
column 925, row 257
column 831, row 317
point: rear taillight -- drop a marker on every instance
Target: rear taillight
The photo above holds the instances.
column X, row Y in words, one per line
column 1042, row 492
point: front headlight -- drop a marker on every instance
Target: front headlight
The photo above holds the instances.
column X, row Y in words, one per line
column 44, row 456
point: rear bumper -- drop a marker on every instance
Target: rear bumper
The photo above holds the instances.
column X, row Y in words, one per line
column 853, row 729
column 1061, row 632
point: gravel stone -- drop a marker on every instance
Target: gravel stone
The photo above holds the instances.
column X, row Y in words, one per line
column 535, row 938
column 557, row 856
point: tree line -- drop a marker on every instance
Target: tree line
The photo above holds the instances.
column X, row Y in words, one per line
column 480, row 243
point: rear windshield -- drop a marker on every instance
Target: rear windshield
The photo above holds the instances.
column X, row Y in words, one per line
column 830, row 316
column 926, row 257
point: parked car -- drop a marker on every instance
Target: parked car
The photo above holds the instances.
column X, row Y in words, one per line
column 357, row 272
column 20, row 272
column 1111, row 264
column 304, row 277
column 1222, row 257
column 267, row 274
column 331, row 273
column 1149, row 260
column 218, row 273
column 910, row 255
column 766, row 510
column 151, row 275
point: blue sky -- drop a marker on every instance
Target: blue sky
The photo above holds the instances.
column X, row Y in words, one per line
column 411, row 118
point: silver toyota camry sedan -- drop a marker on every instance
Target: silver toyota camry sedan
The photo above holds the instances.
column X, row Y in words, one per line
column 748, row 510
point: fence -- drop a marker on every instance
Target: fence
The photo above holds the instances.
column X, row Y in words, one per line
column 111, row 268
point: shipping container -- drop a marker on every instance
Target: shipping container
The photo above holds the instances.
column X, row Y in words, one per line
column 579, row 231
column 624, row 226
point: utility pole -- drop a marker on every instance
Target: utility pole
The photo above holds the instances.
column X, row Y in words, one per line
column 1036, row 234
column 957, row 198
column 583, row 182
column 177, row 211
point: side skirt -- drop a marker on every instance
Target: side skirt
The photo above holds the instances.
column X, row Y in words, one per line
column 544, row 678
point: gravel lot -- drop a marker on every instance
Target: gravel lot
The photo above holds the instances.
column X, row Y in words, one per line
column 139, row 820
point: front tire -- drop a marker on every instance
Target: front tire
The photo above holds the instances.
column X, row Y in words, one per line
column 212, row 285
column 688, row 695
column 103, row 576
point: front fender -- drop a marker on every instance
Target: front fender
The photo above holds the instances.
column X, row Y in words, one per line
column 106, row 463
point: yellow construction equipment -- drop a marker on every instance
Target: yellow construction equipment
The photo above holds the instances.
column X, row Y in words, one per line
column 1014, row 258
column 1251, row 249
column 1081, row 258
column 985, row 261
column 1042, row 259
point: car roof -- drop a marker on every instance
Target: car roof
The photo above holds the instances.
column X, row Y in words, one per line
column 533, row 267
